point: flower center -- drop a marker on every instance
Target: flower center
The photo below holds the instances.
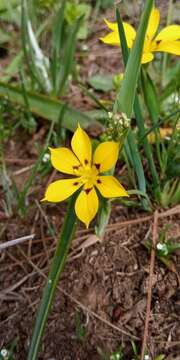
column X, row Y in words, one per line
column 89, row 174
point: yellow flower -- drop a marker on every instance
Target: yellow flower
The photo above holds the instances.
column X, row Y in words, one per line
column 167, row 40
column 87, row 169
column 164, row 133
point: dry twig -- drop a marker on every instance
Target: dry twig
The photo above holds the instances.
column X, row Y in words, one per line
column 149, row 295
column 17, row 241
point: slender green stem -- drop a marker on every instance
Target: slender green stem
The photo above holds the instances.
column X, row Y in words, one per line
column 158, row 124
column 53, row 278
column 165, row 55
column 91, row 95
column 138, row 167
column 126, row 157
column 170, row 147
column 152, row 104
column 146, row 145
column 104, row 215
column 95, row 15
column 22, row 195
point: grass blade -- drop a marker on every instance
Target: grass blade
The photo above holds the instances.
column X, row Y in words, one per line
column 126, row 95
column 138, row 167
column 146, row 145
column 151, row 102
column 57, row 37
column 67, row 60
column 53, row 278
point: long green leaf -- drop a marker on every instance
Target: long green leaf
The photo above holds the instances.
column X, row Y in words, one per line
column 131, row 147
column 151, row 101
column 140, row 123
column 146, row 145
column 57, row 266
column 137, row 165
column 67, row 60
column 47, row 107
column 150, row 96
column 126, row 95
column 57, row 44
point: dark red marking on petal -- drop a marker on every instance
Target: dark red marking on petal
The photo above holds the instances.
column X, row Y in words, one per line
column 76, row 167
column 158, row 42
column 76, row 183
column 86, row 161
column 87, row 191
column 99, row 181
column 97, row 166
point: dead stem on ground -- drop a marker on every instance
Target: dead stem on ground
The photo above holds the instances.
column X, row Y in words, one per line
column 149, row 294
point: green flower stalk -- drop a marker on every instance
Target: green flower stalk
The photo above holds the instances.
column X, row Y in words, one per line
column 57, row 266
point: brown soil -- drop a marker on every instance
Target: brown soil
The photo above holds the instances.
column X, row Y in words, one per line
column 104, row 285
column 108, row 280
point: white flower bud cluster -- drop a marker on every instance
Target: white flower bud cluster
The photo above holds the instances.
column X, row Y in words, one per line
column 118, row 125
column 119, row 119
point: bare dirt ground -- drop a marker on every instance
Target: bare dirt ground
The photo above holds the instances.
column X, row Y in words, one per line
column 105, row 285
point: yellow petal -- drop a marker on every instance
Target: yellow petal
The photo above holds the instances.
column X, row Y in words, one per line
column 110, row 187
column 153, row 23
column 81, row 146
column 130, row 34
column 169, row 33
column 64, row 160
column 172, row 47
column 163, row 132
column 111, row 25
column 86, row 205
column 146, row 57
column 61, row 189
column 113, row 37
column 106, row 155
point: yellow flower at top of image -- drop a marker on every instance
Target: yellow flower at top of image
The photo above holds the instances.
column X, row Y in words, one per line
column 167, row 40
column 87, row 170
